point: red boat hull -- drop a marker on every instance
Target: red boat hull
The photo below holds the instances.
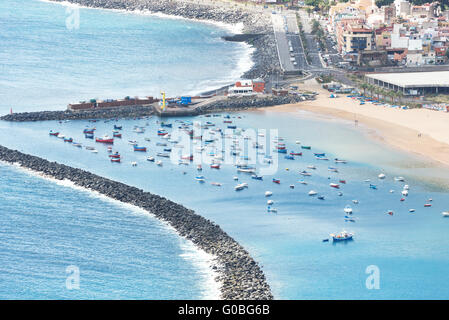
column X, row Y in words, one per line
column 110, row 141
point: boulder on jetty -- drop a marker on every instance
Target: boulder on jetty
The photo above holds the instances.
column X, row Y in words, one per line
column 103, row 113
column 239, row 275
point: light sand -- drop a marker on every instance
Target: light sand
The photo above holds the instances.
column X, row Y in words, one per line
column 399, row 128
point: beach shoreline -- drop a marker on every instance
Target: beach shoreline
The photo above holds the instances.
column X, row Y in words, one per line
column 416, row 131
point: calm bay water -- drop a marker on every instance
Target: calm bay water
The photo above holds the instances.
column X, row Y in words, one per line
column 409, row 249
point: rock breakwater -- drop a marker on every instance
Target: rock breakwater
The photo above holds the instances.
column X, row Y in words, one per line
column 240, row 276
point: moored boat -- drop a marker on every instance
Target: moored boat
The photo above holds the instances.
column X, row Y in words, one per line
column 342, row 236
column 105, row 139
column 141, row 149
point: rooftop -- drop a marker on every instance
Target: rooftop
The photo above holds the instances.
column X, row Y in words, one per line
column 414, row 79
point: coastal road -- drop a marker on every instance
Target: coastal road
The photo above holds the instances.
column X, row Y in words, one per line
column 289, row 65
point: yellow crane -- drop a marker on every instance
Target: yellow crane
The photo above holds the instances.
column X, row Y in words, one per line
column 163, row 100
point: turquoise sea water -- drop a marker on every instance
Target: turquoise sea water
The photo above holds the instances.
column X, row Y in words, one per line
column 48, row 61
column 409, row 249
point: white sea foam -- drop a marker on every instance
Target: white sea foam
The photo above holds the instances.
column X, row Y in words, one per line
column 191, row 252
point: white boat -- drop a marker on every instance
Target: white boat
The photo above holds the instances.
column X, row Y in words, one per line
column 94, row 151
column 132, row 142
column 406, row 187
column 150, row 159
column 302, row 182
column 272, row 209
column 240, row 186
column 159, row 163
column 445, row 213
column 247, row 170
column 200, row 179
column 404, row 193
column 235, row 178
column 401, row 179
column 270, row 202
column 411, row 210
column 134, row 164
column 312, row 193
column 355, row 201
column 268, row 193
column 311, row 167
column 381, row 176
column 347, row 209
column 218, row 184
column 298, row 142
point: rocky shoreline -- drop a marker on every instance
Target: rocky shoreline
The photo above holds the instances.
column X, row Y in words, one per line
column 240, row 276
column 255, row 23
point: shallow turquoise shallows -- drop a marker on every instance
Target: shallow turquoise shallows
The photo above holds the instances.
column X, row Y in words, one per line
column 48, row 62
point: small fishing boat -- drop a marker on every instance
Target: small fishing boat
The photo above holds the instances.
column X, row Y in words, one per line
column 372, row 186
column 240, row 186
column 140, row 149
column 159, row 163
column 70, row 140
column 381, row 176
column 256, row 177
column 306, row 147
column 347, row 210
column 115, row 155
column 115, row 159
column 276, row 181
column 147, row 139
column 105, row 139
column 199, row 167
column 282, row 150
column 217, row 184
column 406, row 187
column 268, row 193
column 94, row 150
column 404, row 193
column 427, row 205
column 215, row 166
column 162, row 133
column 200, row 179
column 335, row 185
column 187, row 157
column 292, row 186
column 355, row 201
column 340, row 161
column 311, row 167
column 321, row 158
column 305, row 173
column 76, row 144
column 232, row 127
column 312, row 193
column 162, row 154
column 295, row 153
column 167, row 125
column 400, row 179
column 319, row 154
column 89, row 131
column 55, row 134
column 302, row 182
column 289, row 157
column 390, row 212
column 89, row 136
column 411, row 210
column 320, row 197
column 161, row 144
column 445, row 213
column 246, row 170
column 117, row 135
column 342, row 181
column 116, row 127
column 167, row 149
column 150, row 159
column 270, row 202
column 342, row 236
column 274, row 210
column 134, row 164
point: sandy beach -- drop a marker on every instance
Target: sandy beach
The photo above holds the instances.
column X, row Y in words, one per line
column 420, row 131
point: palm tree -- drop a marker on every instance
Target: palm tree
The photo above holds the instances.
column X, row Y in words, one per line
column 364, row 86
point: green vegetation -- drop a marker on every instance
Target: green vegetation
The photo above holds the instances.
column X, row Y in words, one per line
column 319, row 34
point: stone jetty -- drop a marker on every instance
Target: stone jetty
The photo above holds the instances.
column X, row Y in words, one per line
column 254, row 23
column 240, row 276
